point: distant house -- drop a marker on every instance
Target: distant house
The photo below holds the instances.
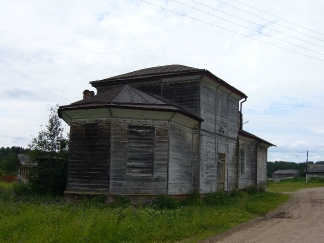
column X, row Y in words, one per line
column 314, row 171
column 161, row 130
column 25, row 168
column 284, row 174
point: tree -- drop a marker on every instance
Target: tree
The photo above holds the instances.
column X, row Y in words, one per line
column 49, row 150
column 50, row 139
column 9, row 161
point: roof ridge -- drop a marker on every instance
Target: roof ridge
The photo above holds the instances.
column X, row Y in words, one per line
column 164, row 69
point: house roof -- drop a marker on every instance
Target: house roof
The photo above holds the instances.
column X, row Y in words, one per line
column 153, row 73
column 126, row 97
column 250, row 135
column 315, row 168
column 283, row 172
column 23, row 159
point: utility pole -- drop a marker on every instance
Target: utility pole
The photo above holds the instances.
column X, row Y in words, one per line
column 306, row 165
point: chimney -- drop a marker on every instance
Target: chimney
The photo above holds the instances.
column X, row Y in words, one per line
column 87, row 94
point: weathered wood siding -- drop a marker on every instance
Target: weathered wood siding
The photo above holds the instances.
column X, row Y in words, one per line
column 182, row 160
column 208, row 164
column 249, row 177
column 219, row 134
column 232, row 165
column 261, row 166
column 183, row 94
column 123, row 183
column 140, row 150
column 89, row 157
column 154, row 88
column 179, row 91
column 195, row 160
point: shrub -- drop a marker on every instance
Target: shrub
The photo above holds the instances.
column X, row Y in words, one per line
column 237, row 193
column 316, row 180
column 121, row 201
column 194, row 198
column 164, row 202
column 23, row 188
column 218, row 198
column 254, row 190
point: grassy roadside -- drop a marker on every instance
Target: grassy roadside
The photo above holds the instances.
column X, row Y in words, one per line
column 48, row 219
column 294, row 184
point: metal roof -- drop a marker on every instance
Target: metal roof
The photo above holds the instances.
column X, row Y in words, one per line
column 250, row 135
column 315, row 168
column 23, row 159
column 283, row 172
column 153, row 73
column 125, row 94
column 167, row 69
column 126, row 97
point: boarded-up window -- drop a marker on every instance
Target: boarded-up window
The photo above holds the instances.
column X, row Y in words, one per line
column 242, row 162
column 140, row 150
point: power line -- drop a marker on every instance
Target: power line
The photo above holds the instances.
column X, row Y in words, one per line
column 278, row 17
column 249, row 28
column 300, row 123
column 267, row 20
column 267, row 117
column 283, row 48
column 263, row 26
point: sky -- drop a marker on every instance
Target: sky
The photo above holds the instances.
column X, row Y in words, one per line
column 273, row 51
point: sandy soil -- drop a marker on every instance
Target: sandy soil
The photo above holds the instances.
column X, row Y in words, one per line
column 301, row 219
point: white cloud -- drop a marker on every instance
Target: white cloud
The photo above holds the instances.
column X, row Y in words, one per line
column 299, row 143
column 49, row 51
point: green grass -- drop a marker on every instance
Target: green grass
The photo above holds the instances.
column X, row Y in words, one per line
column 294, row 184
column 51, row 219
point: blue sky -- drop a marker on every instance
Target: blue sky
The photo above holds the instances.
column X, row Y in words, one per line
column 49, row 51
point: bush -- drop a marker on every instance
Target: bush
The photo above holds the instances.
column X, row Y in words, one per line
column 254, row 190
column 49, row 150
column 316, row 180
column 237, row 193
column 23, row 188
column 164, row 202
column 193, row 199
column 218, row 198
column 121, row 201
column 51, row 176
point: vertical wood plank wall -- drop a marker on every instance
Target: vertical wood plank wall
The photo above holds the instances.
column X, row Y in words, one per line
column 182, row 160
column 121, row 183
column 249, row 177
column 89, row 158
column 219, row 134
column 261, row 166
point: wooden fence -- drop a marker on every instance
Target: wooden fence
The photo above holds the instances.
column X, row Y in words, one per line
column 8, row 178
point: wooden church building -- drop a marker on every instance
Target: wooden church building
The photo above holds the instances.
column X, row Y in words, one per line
column 162, row 130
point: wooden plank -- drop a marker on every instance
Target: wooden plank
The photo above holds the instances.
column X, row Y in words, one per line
column 89, row 157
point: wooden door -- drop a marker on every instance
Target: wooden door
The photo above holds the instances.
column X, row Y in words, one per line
column 221, row 172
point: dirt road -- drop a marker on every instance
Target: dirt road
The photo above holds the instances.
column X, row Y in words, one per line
column 301, row 219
